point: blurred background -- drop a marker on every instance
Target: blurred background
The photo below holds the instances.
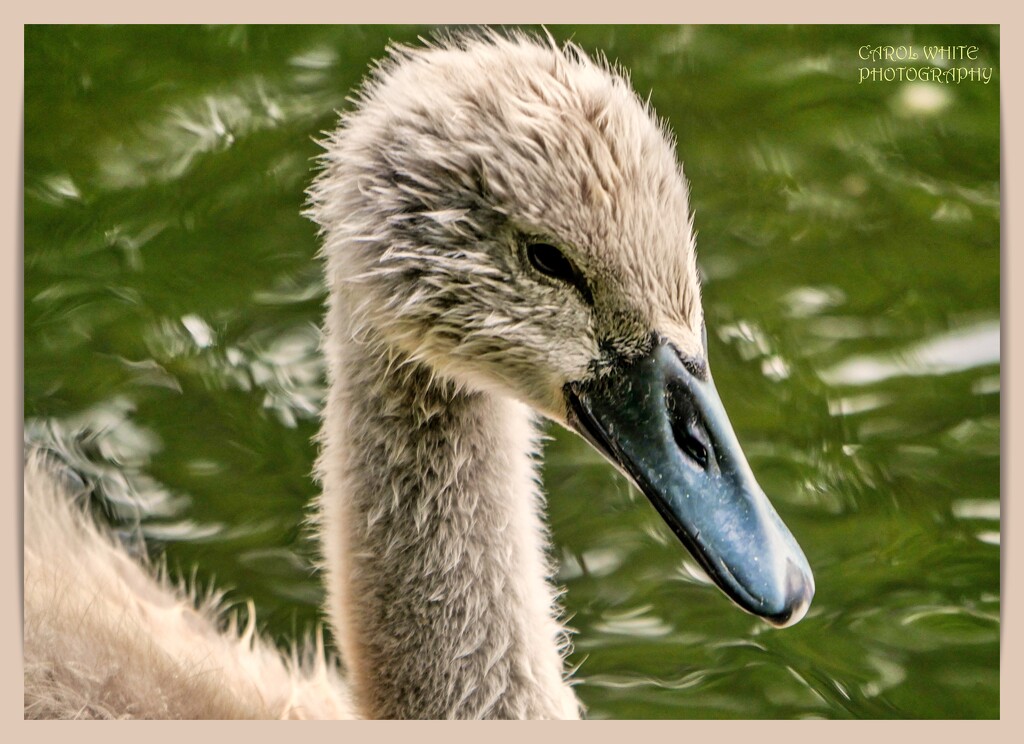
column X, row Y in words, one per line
column 849, row 247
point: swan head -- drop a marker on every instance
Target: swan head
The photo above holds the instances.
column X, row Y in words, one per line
column 511, row 214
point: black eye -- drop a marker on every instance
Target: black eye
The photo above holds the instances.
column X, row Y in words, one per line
column 550, row 261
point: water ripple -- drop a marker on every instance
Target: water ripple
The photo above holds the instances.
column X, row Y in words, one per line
column 954, row 351
column 164, row 149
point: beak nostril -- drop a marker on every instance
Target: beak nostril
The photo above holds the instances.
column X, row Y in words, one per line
column 688, row 429
column 693, row 441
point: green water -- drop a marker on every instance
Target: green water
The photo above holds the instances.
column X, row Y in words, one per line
column 849, row 243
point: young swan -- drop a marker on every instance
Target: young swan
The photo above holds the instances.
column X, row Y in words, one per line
column 505, row 228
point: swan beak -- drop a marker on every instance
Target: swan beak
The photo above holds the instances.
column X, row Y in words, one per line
column 666, row 429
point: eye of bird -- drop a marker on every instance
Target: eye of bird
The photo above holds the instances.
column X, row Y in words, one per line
column 551, row 262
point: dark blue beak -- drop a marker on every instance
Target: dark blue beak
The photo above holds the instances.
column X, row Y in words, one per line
column 659, row 419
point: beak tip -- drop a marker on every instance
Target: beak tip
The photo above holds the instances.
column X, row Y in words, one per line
column 799, row 593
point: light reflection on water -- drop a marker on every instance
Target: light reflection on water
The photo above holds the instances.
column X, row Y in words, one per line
column 166, row 147
column 954, row 351
column 849, row 245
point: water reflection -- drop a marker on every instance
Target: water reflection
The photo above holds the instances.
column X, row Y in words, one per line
column 922, row 99
column 638, row 622
column 980, row 510
column 166, row 148
column 110, row 452
column 803, row 302
column 55, row 189
column 954, row 351
column 285, row 364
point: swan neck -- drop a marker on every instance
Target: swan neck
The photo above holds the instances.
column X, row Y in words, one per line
column 434, row 545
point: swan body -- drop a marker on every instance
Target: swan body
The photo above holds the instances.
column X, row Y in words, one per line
column 108, row 637
column 506, row 233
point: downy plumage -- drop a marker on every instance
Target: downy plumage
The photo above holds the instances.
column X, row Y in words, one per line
column 506, row 232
